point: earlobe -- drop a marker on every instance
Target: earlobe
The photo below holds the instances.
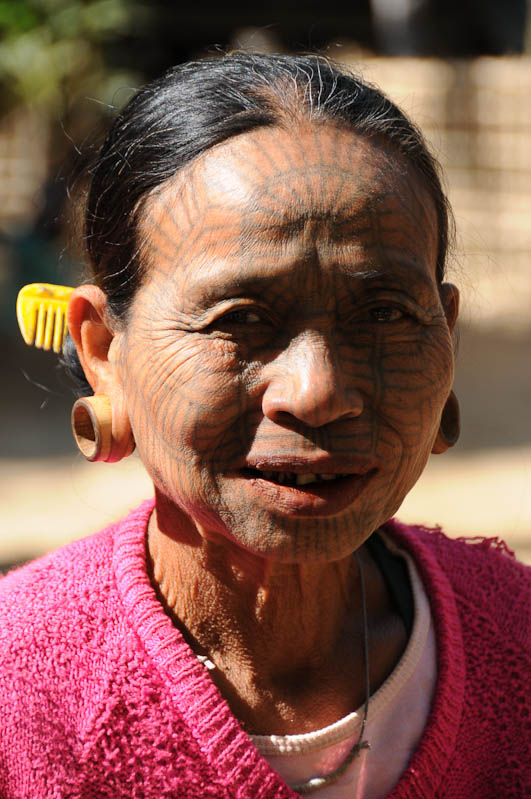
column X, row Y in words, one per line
column 450, row 426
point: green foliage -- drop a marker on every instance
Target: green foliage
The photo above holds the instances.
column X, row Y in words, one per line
column 54, row 50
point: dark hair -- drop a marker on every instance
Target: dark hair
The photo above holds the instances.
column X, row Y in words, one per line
column 197, row 105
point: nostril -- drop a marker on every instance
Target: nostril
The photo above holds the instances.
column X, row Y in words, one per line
column 308, row 385
column 284, row 418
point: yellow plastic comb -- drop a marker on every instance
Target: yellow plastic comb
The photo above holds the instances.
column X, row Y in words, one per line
column 41, row 314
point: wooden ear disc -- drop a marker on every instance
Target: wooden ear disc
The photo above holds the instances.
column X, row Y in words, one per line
column 92, row 426
column 450, row 426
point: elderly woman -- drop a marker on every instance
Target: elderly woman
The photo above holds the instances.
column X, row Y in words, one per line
column 270, row 327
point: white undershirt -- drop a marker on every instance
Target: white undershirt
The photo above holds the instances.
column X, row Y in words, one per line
column 398, row 713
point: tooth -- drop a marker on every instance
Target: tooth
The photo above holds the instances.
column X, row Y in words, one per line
column 303, row 479
column 329, row 476
column 281, row 477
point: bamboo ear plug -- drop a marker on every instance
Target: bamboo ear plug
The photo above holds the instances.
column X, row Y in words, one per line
column 92, row 426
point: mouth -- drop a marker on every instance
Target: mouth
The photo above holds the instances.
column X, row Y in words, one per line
column 304, row 493
column 294, row 479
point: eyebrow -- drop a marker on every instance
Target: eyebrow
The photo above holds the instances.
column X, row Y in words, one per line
column 413, row 272
column 240, row 286
column 405, row 275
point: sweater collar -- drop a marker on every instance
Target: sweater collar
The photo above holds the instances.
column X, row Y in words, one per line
column 430, row 761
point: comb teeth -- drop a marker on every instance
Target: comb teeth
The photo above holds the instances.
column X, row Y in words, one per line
column 59, row 329
column 41, row 314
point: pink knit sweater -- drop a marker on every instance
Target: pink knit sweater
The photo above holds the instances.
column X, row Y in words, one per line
column 101, row 697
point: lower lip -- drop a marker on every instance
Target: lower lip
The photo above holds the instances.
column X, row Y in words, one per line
column 326, row 498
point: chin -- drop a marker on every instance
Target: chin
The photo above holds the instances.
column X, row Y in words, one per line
column 300, row 540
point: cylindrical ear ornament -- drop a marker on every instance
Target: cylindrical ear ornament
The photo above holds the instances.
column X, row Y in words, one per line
column 450, row 426
column 92, row 426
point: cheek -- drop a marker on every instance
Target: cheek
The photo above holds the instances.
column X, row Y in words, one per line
column 415, row 381
column 186, row 396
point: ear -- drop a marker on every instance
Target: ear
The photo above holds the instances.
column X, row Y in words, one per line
column 450, row 301
column 97, row 343
column 86, row 315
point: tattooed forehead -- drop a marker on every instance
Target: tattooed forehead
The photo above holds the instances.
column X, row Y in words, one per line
column 269, row 159
column 270, row 201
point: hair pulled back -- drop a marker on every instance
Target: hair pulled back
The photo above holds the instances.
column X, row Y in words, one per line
column 195, row 106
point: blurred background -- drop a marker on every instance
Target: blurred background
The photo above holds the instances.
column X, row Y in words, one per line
column 462, row 69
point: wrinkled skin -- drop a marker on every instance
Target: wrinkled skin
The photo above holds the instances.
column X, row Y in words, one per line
column 291, row 309
column 290, row 320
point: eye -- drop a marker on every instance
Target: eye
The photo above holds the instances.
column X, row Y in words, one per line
column 240, row 317
column 386, row 313
column 236, row 320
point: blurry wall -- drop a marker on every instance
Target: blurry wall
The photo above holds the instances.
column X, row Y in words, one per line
column 476, row 113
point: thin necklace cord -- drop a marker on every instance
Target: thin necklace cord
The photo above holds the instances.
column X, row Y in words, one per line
column 315, row 783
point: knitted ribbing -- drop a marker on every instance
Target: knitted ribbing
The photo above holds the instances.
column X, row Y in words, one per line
column 101, row 696
column 477, row 741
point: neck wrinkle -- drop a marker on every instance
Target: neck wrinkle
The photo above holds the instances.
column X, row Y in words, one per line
column 272, row 621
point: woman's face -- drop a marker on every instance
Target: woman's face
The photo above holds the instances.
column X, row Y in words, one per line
column 287, row 359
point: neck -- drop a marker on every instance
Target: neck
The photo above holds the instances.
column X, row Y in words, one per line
column 279, row 634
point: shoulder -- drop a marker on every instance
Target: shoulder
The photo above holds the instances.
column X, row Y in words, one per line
column 48, row 605
column 63, row 632
column 483, row 574
column 53, row 612
column 44, row 599
column 66, row 570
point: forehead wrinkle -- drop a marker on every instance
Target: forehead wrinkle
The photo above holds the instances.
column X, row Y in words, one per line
column 278, row 217
column 334, row 236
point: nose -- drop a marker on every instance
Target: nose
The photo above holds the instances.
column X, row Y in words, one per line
column 307, row 383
